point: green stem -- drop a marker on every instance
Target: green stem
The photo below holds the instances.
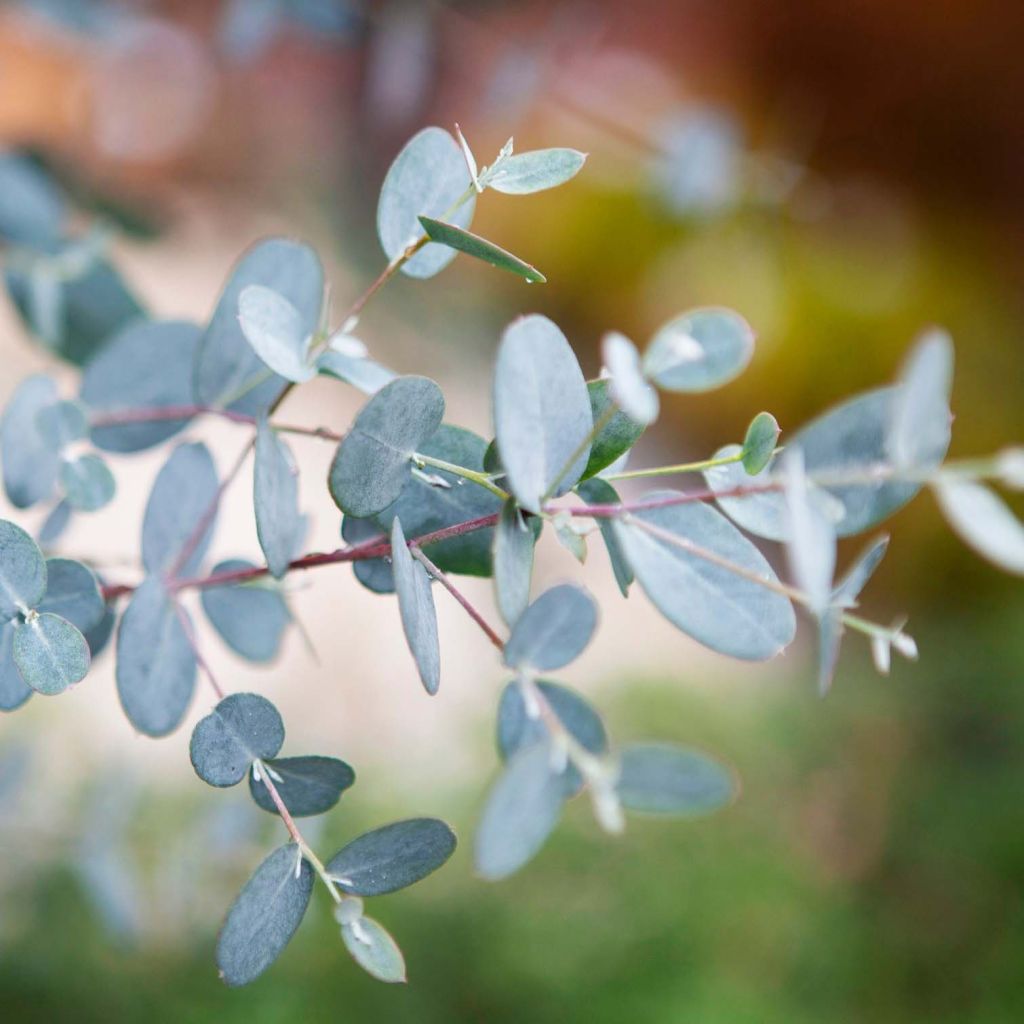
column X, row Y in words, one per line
column 481, row 479
column 682, row 467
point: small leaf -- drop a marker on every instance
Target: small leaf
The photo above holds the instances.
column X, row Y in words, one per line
column 568, row 533
column 264, row 916
column 627, row 386
column 50, row 653
column 542, row 413
column 373, row 948
column 250, row 617
column 241, row 729
column 812, row 539
column 517, row 728
column 277, row 332
column 848, row 590
column 700, row 350
column 596, row 491
column 62, row 423
column 392, row 857
column 535, row 171
column 307, row 785
column 983, row 521
column 723, row 610
column 513, row 562
column 553, row 631
column 87, row 483
column 54, row 525
column 416, row 604
column 29, row 461
column 14, row 691
column 920, row 418
column 184, row 491
column 428, row 177
column 759, row 444
column 147, row 365
column 226, row 366
column 22, row 571
column 374, row 573
column 73, row 593
column 618, row 435
column 473, row 245
column 661, row 779
column 372, row 464
column 522, row 810
column 364, row 374
column 279, row 525
column 156, row 666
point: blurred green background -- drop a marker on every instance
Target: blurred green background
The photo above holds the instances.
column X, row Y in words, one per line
column 844, row 178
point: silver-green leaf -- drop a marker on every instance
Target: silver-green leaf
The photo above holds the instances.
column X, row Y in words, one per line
column 416, row 604
column 279, row 525
column 983, row 521
column 633, row 395
column 513, row 562
column 277, row 332
column 373, row 948
column 50, row 653
column 662, row 779
column 242, row 728
column 308, row 785
column 700, row 350
column 87, row 482
column 22, row 571
column 474, row 245
column 553, row 631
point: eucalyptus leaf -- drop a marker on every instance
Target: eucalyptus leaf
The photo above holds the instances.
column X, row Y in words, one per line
column 22, row 571
column 596, row 491
column 32, row 208
column 250, row 617
column 307, row 785
column 50, row 653
column 627, row 386
column 428, row 177
column 983, row 521
column 264, row 916
column 226, row 366
column 54, row 525
column 156, row 666
column 392, row 857
column 73, row 593
column 715, row 605
column 62, row 423
column 87, row 482
column 277, row 331
column 185, row 490
column 542, row 415
column 812, row 540
column 513, row 562
column 363, row 374
column 759, row 443
column 473, row 245
column 416, row 604
column 920, row 417
column 147, row 365
column 373, row 948
column 616, row 437
column 242, row 728
column 535, row 170
column 518, row 728
column 700, row 350
column 372, row 463
column 14, row 691
column 374, row 573
column 662, row 779
column 29, row 462
column 553, row 631
column 522, row 810
column 279, row 525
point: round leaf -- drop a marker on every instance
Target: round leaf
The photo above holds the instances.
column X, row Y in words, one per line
column 241, row 729
column 265, row 916
column 372, row 464
column 50, row 653
column 250, row 617
column 73, row 593
column 22, row 571
column 699, row 350
column 727, row 612
column 554, row 630
column 277, row 332
column 29, row 461
column 392, row 857
column 541, row 411
column 663, row 779
column 87, row 483
column 307, row 785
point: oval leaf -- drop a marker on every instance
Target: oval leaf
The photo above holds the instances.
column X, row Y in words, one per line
column 241, row 729
column 554, row 630
column 373, row 948
column 29, row 461
column 427, row 178
column 535, row 171
column 662, row 779
column 277, row 332
column 541, row 411
column 392, row 857
column 50, row 653
column 513, row 562
column 627, row 386
column 250, row 617
column 265, row 916
column 307, row 785
column 22, row 571
column 87, row 483
column 725, row 611
column 372, row 464
column 156, row 666
column 699, row 350
column 983, row 521
column 416, row 604
column 759, row 443
column 279, row 525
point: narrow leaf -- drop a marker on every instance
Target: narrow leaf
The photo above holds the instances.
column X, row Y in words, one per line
column 276, row 499
column 596, row 491
column 22, row 571
column 513, row 562
column 663, row 779
column 473, row 245
column 535, row 170
column 416, row 604
column 553, row 631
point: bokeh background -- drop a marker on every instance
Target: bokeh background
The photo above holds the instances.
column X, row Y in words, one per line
column 842, row 174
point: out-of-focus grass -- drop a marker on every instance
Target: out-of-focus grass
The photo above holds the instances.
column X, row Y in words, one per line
column 871, row 871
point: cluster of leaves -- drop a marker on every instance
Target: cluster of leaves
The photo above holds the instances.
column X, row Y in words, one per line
column 422, row 501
